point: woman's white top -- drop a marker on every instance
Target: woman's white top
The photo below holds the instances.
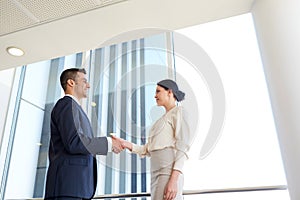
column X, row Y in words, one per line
column 171, row 130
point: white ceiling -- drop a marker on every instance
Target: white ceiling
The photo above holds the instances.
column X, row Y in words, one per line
column 48, row 29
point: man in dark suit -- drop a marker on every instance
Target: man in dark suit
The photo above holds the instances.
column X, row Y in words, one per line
column 72, row 172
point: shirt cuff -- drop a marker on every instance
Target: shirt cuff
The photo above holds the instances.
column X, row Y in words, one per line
column 179, row 163
column 109, row 144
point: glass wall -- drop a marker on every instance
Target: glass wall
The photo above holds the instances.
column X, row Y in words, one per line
column 123, row 79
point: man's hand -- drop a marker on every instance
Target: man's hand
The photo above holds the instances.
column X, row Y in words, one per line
column 117, row 144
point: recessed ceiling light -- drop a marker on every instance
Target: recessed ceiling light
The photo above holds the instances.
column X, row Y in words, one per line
column 15, row 51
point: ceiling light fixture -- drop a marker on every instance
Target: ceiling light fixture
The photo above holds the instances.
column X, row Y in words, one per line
column 15, row 51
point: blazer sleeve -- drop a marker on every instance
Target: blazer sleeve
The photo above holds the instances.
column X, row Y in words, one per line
column 141, row 150
column 76, row 132
column 183, row 139
column 96, row 145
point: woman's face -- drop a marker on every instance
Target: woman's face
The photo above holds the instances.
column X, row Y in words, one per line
column 162, row 96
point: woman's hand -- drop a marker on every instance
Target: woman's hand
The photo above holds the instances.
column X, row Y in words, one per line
column 124, row 143
column 171, row 187
column 127, row 145
column 170, row 190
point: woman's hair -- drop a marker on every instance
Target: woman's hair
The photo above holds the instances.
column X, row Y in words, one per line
column 69, row 74
column 169, row 84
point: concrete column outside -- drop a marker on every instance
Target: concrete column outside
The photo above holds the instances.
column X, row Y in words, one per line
column 277, row 25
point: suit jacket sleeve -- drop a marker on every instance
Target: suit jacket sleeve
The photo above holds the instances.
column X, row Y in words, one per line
column 76, row 131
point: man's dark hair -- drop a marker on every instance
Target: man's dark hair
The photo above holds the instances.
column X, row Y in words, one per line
column 69, row 74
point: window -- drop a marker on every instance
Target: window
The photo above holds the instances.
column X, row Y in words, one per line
column 122, row 77
column 247, row 152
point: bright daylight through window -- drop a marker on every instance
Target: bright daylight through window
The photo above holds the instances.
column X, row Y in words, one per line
column 247, row 153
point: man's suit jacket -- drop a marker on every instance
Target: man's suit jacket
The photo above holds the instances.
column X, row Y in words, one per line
column 72, row 168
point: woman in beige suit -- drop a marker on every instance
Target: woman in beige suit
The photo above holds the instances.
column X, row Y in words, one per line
column 168, row 142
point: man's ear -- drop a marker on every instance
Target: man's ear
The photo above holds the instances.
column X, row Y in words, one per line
column 70, row 82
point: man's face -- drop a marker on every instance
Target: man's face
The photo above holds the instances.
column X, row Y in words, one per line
column 81, row 86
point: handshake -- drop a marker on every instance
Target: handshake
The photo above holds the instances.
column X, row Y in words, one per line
column 119, row 144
